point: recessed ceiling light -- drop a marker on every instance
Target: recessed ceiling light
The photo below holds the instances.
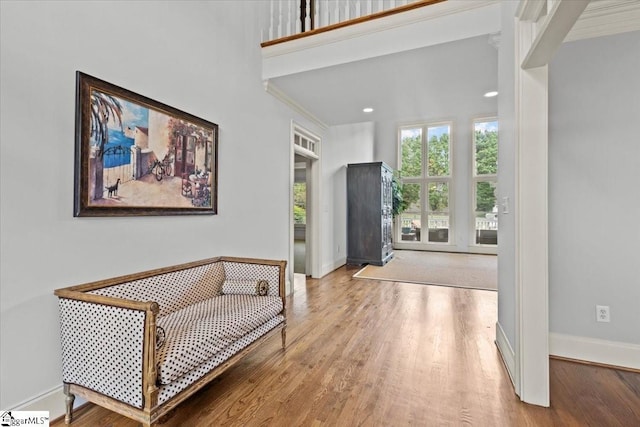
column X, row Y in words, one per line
column 491, row 94
column 368, row 110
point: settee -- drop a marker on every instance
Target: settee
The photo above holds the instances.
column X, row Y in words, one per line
column 140, row 344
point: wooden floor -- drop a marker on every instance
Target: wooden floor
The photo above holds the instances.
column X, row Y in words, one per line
column 373, row 353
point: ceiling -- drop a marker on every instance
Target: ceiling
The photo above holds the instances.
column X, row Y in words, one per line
column 407, row 85
column 401, row 86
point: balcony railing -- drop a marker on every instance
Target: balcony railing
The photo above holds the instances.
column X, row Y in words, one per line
column 407, row 222
column 291, row 19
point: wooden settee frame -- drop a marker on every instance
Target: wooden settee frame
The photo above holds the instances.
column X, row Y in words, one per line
column 151, row 412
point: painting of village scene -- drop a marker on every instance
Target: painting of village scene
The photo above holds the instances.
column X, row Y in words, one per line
column 135, row 156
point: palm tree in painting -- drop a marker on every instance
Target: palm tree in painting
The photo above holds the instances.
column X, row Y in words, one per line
column 104, row 108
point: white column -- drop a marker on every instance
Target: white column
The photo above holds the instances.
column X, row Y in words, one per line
column 537, row 39
column 532, row 255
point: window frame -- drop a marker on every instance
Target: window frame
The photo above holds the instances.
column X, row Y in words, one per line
column 424, row 180
column 477, row 178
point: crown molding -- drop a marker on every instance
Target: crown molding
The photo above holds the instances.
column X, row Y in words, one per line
column 278, row 93
column 606, row 17
column 531, row 10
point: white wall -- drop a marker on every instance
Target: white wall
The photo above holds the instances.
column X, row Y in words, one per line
column 594, row 188
column 456, row 82
column 201, row 57
column 342, row 145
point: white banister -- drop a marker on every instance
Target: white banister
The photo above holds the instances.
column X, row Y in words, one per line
column 279, row 19
column 295, row 7
column 326, row 20
column 284, row 15
column 335, row 17
column 307, row 19
column 291, row 25
column 271, row 18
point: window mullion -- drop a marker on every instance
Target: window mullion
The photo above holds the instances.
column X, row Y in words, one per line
column 484, row 202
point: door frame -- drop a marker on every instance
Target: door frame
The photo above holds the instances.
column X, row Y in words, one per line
column 313, row 244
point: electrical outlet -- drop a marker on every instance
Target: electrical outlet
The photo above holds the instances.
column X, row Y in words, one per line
column 602, row 313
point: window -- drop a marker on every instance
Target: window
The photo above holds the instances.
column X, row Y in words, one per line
column 485, row 180
column 425, row 170
column 308, row 143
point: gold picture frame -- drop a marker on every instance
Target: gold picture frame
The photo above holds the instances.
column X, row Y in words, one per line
column 136, row 156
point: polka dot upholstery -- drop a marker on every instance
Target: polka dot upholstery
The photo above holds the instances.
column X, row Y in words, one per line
column 242, row 271
column 102, row 348
column 168, row 391
column 199, row 331
column 247, row 287
column 172, row 291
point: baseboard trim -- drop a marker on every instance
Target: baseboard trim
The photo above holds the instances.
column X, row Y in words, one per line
column 611, row 353
column 329, row 267
column 51, row 400
column 596, row 364
column 506, row 352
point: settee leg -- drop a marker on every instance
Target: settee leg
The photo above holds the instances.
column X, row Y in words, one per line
column 284, row 338
column 68, row 400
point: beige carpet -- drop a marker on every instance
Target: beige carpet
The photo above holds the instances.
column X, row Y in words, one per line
column 437, row 268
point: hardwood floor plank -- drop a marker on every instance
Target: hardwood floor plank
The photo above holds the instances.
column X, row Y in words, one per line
column 374, row 353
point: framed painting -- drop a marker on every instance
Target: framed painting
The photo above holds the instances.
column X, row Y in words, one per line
column 136, row 156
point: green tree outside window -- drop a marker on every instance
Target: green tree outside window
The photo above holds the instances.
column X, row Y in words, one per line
column 300, row 203
column 486, row 152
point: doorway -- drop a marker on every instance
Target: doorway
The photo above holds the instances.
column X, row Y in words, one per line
column 304, row 202
column 300, row 203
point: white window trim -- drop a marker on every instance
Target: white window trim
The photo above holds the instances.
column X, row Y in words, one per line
column 424, row 180
column 310, row 138
column 475, row 179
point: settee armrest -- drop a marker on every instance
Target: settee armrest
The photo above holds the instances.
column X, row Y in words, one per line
column 108, row 345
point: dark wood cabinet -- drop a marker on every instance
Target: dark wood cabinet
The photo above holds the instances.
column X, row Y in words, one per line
column 369, row 213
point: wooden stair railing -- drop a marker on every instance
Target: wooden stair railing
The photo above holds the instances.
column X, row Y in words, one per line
column 309, row 11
